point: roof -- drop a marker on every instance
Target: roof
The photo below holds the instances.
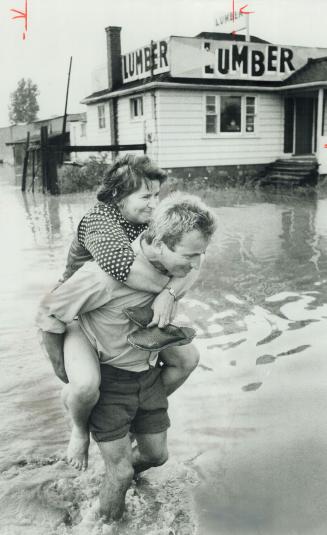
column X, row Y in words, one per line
column 71, row 117
column 315, row 70
column 103, row 95
column 35, row 139
column 215, row 36
column 98, row 94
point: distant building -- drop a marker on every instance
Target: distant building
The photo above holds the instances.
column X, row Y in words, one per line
column 8, row 135
column 213, row 103
column 13, row 138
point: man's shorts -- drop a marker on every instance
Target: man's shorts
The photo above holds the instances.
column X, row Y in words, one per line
column 129, row 401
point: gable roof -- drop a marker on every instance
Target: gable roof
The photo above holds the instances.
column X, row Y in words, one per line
column 315, row 70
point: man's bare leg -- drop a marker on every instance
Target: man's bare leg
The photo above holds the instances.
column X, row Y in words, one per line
column 151, row 450
column 121, row 463
column 82, row 392
column 179, row 362
column 117, row 456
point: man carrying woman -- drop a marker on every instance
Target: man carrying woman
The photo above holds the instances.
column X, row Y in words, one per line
column 127, row 199
column 133, row 396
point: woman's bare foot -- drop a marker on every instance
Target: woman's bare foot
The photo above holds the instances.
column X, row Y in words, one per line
column 78, row 449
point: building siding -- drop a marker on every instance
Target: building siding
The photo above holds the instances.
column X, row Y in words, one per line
column 96, row 135
column 183, row 142
column 76, row 138
column 139, row 130
column 8, row 134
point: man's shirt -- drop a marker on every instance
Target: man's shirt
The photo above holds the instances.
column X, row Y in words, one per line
column 99, row 301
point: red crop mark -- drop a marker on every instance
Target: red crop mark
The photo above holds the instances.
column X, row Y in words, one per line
column 242, row 12
column 245, row 12
column 325, row 146
column 21, row 15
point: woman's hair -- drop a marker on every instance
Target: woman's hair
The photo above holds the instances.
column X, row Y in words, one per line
column 177, row 214
column 126, row 175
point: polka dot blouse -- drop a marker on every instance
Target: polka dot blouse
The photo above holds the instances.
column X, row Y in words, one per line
column 105, row 235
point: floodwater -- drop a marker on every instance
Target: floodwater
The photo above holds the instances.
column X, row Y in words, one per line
column 248, row 437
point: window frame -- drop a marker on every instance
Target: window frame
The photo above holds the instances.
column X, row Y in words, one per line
column 244, row 115
column 101, row 116
column 139, row 101
column 83, row 129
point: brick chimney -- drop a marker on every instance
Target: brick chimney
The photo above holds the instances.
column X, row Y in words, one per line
column 114, row 57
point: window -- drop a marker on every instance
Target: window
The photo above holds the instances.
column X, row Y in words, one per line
column 136, row 107
column 211, row 115
column 230, row 114
column 101, row 116
column 83, row 129
column 250, row 114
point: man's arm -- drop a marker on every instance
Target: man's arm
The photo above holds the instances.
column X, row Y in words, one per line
column 169, row 290
column 164, row 305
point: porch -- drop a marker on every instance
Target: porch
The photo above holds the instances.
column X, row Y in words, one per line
column 305, row 113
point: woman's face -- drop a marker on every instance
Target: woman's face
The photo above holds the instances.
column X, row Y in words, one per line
column 138, row 206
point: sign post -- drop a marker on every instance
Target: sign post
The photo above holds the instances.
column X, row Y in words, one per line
column 232, row 17
column 247, row 21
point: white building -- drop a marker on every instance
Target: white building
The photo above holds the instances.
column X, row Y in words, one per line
column 213, row 104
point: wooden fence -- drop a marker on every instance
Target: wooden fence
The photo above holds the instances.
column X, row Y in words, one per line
column 51, row 156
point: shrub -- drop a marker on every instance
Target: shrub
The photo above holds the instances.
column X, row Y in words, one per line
column 81, row 177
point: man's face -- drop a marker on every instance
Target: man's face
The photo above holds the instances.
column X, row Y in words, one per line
column 186, row 254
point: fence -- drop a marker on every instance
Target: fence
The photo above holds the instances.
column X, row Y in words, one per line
column 51, row 156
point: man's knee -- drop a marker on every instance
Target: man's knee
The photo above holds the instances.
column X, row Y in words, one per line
column 123, row 473
column 158, row 458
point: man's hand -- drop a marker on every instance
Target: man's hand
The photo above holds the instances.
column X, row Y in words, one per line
column 53, row 345
column 164, row 309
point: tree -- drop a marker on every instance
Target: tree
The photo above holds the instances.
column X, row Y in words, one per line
column 23, row 106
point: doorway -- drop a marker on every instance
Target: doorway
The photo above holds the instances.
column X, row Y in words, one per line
column 304, row 121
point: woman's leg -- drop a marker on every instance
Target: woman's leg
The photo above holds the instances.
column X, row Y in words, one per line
column 82, row 392
column 179, row 362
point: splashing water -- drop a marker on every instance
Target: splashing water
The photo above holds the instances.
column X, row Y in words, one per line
column 247, row 443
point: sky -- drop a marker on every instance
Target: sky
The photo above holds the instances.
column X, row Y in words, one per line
column 58, row 29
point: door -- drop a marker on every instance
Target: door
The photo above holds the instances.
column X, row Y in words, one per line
column 304, row 125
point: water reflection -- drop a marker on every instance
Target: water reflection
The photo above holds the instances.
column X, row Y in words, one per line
column 248, row 427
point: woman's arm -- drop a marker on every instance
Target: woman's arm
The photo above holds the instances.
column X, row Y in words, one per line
column 111, row 248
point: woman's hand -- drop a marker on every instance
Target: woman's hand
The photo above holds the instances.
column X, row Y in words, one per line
column 164, row 309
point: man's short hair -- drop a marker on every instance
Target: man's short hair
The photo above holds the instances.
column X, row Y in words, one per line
column 126, row 176
column 177, row 214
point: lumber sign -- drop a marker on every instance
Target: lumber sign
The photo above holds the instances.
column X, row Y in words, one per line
column 146, row 61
